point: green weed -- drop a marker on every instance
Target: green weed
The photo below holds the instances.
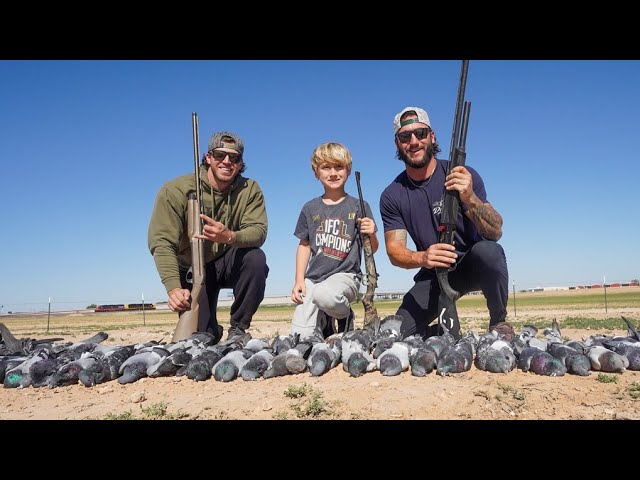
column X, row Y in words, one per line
column 294, row 391
column 602, row 378
column 634, row 390
column 310, row 402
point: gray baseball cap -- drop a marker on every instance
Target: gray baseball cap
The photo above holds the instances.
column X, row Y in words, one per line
column 226, row 140
column 422, row 118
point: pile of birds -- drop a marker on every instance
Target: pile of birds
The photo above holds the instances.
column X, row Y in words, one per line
column 49, row 362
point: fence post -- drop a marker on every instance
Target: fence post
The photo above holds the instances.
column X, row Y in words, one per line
column 49, row 315
column 144, row 318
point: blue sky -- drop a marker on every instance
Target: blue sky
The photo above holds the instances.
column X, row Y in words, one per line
column 85, row 146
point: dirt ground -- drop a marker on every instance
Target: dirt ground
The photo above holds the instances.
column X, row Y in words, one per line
column 474, row 394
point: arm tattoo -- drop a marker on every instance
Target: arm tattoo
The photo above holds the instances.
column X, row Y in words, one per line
column 400, row 236
column 486, row 219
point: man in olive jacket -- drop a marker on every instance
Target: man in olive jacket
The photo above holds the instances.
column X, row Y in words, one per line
column 234, row 229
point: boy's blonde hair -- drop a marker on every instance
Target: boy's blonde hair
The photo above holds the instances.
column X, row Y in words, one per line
column 332, row 154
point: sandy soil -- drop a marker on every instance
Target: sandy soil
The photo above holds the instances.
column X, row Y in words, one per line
column 471, row 395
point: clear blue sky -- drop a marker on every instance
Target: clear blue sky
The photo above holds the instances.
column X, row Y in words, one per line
column 85, row 146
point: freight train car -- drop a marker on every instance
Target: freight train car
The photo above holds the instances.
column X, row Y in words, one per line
column 121, row 307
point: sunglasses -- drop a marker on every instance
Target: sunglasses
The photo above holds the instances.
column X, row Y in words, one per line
column 220, row 156
column 420, row 133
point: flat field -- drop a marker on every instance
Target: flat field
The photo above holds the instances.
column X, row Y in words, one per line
column 471, row 395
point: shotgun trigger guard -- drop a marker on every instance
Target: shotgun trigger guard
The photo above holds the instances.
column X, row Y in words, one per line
column 443, row 321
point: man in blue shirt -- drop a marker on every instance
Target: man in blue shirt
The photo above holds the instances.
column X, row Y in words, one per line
column 412, row 205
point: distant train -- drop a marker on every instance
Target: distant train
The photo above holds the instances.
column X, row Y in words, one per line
column 125, row 307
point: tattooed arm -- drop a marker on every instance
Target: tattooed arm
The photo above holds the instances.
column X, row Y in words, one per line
column 486, row 219
column 437, row 255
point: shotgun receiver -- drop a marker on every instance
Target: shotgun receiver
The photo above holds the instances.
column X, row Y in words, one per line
column 370, row 312
column 448, row 314
column 188, row 320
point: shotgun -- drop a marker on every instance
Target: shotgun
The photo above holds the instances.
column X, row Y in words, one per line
column 370, row 312
column 448, row 314
column 188, row 320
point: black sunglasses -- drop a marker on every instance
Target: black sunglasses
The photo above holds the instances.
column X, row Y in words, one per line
column 420, row 133
column 220, row 156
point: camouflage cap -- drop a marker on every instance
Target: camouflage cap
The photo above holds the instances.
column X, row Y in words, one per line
column 226, row 140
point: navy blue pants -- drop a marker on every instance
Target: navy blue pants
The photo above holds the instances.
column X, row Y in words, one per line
column 483, row 267
column 245, row 271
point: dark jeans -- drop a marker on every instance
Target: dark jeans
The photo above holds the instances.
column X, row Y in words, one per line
column 483, row 267
column 245, row 271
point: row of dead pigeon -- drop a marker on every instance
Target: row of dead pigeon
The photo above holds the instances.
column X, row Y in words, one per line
column 49, row 362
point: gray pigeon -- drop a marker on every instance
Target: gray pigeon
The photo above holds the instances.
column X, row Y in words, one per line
column 540, row 362
column 9, row 362
column 256, row 365
column 200, row 368
column 68, row 374
column 605, row 360
column 494, row 355
column 394, row 360
column 356, row 356
column 10, row 345
column 228, row 368
column 456, row 359
column 325, row 355
column 140, row 364
column 422, row 358
column 577, row 363
column 19, row 375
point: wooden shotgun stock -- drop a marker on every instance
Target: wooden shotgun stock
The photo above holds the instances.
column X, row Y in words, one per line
column 198, row 314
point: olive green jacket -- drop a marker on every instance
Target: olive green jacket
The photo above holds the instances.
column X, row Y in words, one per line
column 241, row 209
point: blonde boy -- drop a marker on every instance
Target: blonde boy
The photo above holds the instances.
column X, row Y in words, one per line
column 328, row 272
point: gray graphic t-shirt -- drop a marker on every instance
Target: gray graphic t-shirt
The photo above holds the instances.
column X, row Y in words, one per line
column 333, row 237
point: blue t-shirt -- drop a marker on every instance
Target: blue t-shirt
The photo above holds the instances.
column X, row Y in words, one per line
column 416, row 208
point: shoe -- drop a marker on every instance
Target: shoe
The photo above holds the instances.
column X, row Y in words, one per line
column 351, row 320
column 331, row 325
column 504, row 329
column 325, row 324
column 234, row 332
column 432, row 331
column 216, row 333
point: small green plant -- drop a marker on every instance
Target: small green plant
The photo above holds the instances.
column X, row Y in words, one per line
column 316, row 405
column 602, row 378
column 155, row 411
column 294, row 391
column 280, row 415
column 312, row 406
column 634, row 390
column 519, row 395
column 516, row 394
column 128, row 415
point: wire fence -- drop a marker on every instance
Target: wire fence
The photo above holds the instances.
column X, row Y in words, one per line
column 8, row 308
